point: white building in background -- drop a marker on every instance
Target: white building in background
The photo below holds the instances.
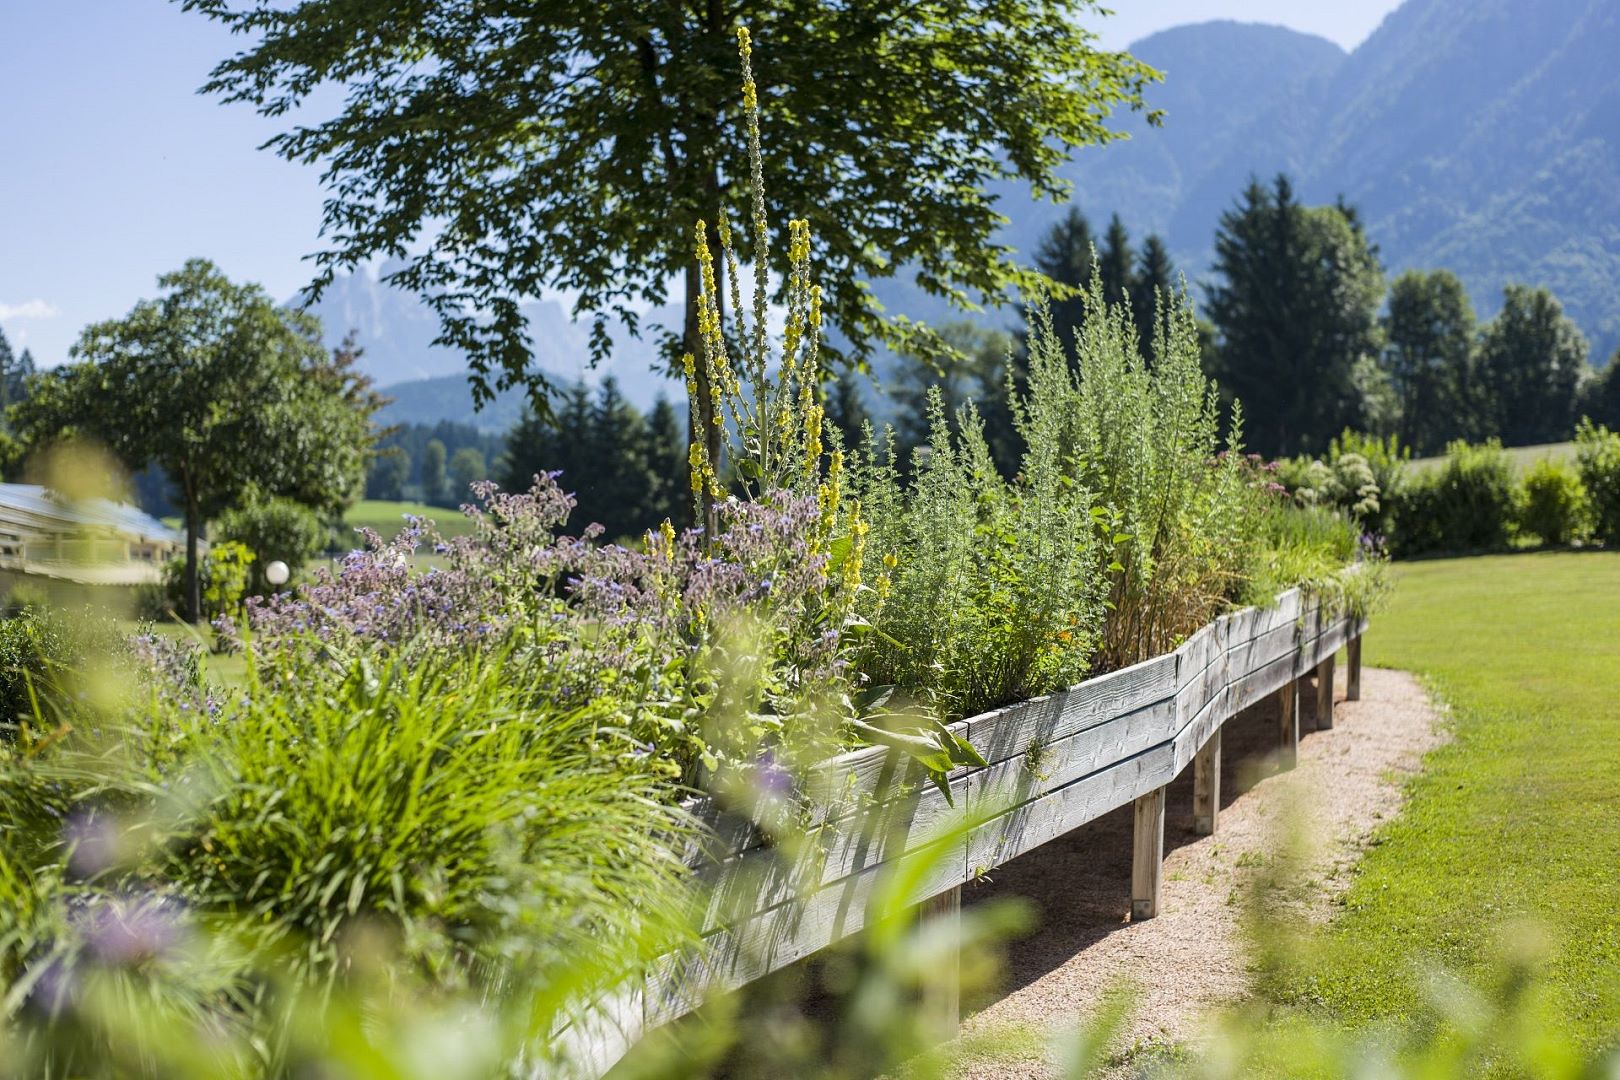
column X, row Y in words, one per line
column 87, row 541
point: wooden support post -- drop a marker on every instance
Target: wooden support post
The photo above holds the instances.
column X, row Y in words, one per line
column 942, row 993
column 1147, row 856
column 1288, row 723
column 1352, row 675
column 1324, row 694
column 1207, row 786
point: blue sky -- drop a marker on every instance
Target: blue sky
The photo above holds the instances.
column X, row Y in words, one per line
column 113, row 170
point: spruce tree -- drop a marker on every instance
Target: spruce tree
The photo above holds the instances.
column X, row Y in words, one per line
column 1067, row 255
column 668, row 498
column 1116, row 263
column 1295, row 309
column 1155, row 276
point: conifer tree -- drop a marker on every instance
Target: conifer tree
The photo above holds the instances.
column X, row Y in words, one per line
column 1155, row 276
column 1115, row 263
column 1067, row 255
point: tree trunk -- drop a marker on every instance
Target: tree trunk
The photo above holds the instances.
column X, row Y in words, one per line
column 193, row 578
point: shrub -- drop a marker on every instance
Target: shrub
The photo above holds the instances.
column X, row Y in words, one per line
column 1597, row 449
column 273, row 529
column 1553, row 505
column 35, row 651
column 1465, row 505
column 1145, row 437
column 223, row 575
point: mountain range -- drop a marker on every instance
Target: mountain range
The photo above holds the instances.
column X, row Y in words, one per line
column 1478, row 135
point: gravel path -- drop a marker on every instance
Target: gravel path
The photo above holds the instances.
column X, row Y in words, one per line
column 1193, row 956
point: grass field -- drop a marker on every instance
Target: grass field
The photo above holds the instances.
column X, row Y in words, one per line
column 389, row 517
column 1521, row 457
column 1512, row 836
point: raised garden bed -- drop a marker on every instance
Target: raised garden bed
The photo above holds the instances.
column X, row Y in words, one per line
column 1052, row 764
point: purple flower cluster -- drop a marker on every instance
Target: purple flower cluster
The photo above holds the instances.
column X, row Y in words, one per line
column 645, row 629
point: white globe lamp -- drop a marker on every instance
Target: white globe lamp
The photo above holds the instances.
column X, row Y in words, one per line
column 276, row 573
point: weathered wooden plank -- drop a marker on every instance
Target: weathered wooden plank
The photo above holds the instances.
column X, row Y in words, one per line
column 1255, row 687
column 1031, row 824
column 1324, row 693
column 771, row 939
column 1207, row 786
column 1008, row 733
column 1147, row 855
column 942, row 993
column 1259, row 651
column 1352, row 674
column 1194, row 655
column 1288, row 723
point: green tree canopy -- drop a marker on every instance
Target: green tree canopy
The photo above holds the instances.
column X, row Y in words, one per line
column 1531, row 360
column 519, row 149
column 435, row 473
column 1600, row 395
column 230, row 394
column 1429, row 333
column 1068, row 256
column 1295, row 308
column 467, row 467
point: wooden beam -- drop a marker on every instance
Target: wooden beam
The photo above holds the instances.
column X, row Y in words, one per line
column 1288, row 723
column 1352, row 653
column 1207, row 786
column 1147, row 856
column 942, row 992
column 1324, row 694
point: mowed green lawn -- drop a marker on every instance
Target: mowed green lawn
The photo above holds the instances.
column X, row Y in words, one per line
column 1521, row 457
column 388, row 518
column 1511, row 839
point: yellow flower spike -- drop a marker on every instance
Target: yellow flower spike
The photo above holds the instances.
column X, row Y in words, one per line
column 890, row 561
column 667, row 531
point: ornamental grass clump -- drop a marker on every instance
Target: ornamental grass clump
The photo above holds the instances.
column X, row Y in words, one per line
column 441, row 814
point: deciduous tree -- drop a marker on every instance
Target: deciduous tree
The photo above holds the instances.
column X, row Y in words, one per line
column 229, row 393
column 1531, row 359
column 517, row 149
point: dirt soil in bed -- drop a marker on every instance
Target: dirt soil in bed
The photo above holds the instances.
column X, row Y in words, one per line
column 1309, row 824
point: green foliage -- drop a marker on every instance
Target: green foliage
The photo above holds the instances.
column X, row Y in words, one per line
column 1600, row 394
column 1553, row 505
column 988, row 590
column 1295, row 310
column 626, row 470
column 435, row 481
column 154, row 387
column 624, row 116
column 273, row 529
column 225, row 576
column 446, row 819
column 1598, row 451
column 1429, row 332
column 35, row 651
column 1466, row 505
column 1145, row 438
column 1361, row 475
column 1531, row 359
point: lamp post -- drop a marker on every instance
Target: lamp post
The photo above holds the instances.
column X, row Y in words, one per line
column 276, row 574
